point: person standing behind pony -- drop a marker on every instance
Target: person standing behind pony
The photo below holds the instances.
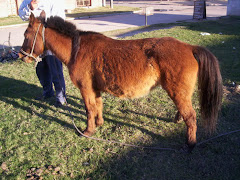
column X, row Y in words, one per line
column 49, row 70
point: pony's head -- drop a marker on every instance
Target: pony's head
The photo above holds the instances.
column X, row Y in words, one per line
column 33, row 45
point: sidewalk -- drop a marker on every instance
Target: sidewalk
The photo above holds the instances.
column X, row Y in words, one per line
column 165, row 12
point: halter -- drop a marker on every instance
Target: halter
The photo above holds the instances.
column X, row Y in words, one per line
column 37, row 59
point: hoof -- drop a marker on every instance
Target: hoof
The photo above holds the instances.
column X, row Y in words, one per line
column 88, row 133
column 187, row 148
column 177, row 121
column 99, row 122
column 178, row 118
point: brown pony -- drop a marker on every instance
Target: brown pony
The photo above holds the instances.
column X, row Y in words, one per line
column 130, row 69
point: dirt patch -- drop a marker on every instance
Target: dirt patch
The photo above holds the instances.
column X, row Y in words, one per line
column 38, row 173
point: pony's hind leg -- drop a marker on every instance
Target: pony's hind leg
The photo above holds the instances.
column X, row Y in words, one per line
column 181, row 96
column 178, row 118
column 189, row 116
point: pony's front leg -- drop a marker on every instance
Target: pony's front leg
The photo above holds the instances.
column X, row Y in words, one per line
column 99, row 119
column 89, row 97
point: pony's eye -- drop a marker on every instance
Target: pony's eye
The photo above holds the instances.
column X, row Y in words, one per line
column 25, row 33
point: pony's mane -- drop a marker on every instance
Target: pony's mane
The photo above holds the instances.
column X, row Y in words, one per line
column 68, row 29
column 65, row 27
column 62, row 26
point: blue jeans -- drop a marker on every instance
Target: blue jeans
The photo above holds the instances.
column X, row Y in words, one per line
column 49, row 72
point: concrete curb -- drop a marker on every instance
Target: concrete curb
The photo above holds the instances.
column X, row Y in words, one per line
column 104, row 15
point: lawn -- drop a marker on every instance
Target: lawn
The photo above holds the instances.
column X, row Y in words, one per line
column 38, row 140
column 11, row 20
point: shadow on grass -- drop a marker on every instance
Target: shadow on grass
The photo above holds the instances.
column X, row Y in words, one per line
column 12, row 89
column 111, row 118
column 16, row 89
column 148, row 116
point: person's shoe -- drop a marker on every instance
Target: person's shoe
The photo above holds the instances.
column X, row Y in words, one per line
column 42, row 97
column 58, row 104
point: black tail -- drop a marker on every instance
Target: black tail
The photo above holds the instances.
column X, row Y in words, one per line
column 209, row 85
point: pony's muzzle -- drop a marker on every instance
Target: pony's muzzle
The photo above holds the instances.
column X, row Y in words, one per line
column 20, row 55
column 25, row 58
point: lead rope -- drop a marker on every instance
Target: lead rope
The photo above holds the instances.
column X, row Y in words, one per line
column 37, row 59
column 220, row 135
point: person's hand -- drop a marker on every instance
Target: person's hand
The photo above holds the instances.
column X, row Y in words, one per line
column 34, row 4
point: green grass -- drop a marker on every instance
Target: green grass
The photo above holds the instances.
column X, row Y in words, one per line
column 35, row 134
column 11, row 20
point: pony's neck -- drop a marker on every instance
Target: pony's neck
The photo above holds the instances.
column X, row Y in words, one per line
column 59, row 44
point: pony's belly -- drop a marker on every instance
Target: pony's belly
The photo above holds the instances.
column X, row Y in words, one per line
column 133, row 82
column 140, row 88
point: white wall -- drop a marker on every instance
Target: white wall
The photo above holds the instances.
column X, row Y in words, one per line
column 70, row 4
column 3, row 8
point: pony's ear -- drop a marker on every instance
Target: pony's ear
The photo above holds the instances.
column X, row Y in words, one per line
column 43, row 15
column 31, row 18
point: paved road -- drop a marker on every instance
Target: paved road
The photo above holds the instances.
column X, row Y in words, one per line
column 165, row 12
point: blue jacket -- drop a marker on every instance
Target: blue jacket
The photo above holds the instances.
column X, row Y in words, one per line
column 51, row 8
